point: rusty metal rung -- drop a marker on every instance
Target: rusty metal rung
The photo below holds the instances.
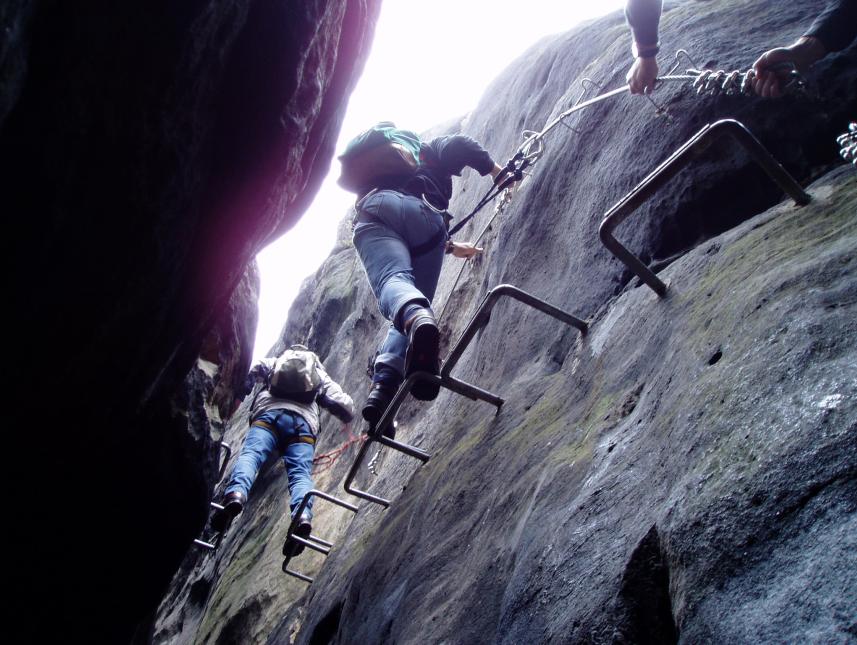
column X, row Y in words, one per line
column 669, row 168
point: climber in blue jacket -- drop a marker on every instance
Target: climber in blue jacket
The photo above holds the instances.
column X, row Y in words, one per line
column 400, row 233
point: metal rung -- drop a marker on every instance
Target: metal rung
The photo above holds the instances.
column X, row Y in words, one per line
column 446, row 380
column 312, row 545
column 313, row 542
column 377, row 432
column 483, row 314
column 210, row 546
column 225, row 447
column 669, row 168
column 296, row 574
column 318, row 540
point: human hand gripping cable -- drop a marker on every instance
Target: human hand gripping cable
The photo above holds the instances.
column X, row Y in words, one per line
column 464, row 250
column 642, row 76
column 771, row 69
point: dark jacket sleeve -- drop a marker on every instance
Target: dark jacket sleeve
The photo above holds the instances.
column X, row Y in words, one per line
column 454, row 152
column 643, row 17
column 836, row 26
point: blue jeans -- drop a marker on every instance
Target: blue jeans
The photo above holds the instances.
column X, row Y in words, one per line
column 261, row 442
column 401, row 243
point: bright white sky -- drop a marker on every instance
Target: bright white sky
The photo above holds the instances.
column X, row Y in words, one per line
column 430, row 61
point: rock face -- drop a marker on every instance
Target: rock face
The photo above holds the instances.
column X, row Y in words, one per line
column 686, row 471
column 148, row 150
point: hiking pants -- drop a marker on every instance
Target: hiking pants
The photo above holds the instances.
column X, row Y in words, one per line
column 401, row 243
column 287, row 432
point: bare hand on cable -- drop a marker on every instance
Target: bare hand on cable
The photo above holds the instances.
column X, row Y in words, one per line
column 642, row 75
column 499, row 172
column 464, row 250
column 768, row 82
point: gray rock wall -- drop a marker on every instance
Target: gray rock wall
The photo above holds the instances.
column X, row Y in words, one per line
column 686, row 471
column 148, row 150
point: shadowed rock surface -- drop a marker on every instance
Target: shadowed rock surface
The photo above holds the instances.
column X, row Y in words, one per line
column 686, row 471
column 148, row 150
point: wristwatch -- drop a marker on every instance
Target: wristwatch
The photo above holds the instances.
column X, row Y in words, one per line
column 649, row 51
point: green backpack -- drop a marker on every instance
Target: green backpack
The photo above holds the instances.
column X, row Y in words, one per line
column 382, row 155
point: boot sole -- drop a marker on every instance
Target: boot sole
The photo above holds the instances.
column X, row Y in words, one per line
column 373, row 413
column 423, row 356
column 222, row 520
column 294, row 549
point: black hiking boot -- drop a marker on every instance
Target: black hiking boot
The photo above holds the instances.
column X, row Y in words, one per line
column 377, row 402
column 303, row 529
column 423, row 352
column 233, row 504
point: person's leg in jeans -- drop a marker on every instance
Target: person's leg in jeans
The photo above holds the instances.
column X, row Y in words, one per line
column 398, row 277
column 257, row 447
column 297, row 458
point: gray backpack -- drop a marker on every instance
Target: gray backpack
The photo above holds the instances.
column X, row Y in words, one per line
column 295, row 375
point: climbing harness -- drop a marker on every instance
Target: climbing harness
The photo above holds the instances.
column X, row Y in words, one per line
column 848, row 143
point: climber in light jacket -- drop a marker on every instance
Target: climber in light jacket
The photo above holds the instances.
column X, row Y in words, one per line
column 400, row 233
column 288, row 424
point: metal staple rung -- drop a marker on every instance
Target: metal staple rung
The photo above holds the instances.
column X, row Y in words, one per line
column 312, row 545
column 668, row 169
column 313, row 542
column 447, row 381
column 318, row 540
column 204, row 544
column 296, row 574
